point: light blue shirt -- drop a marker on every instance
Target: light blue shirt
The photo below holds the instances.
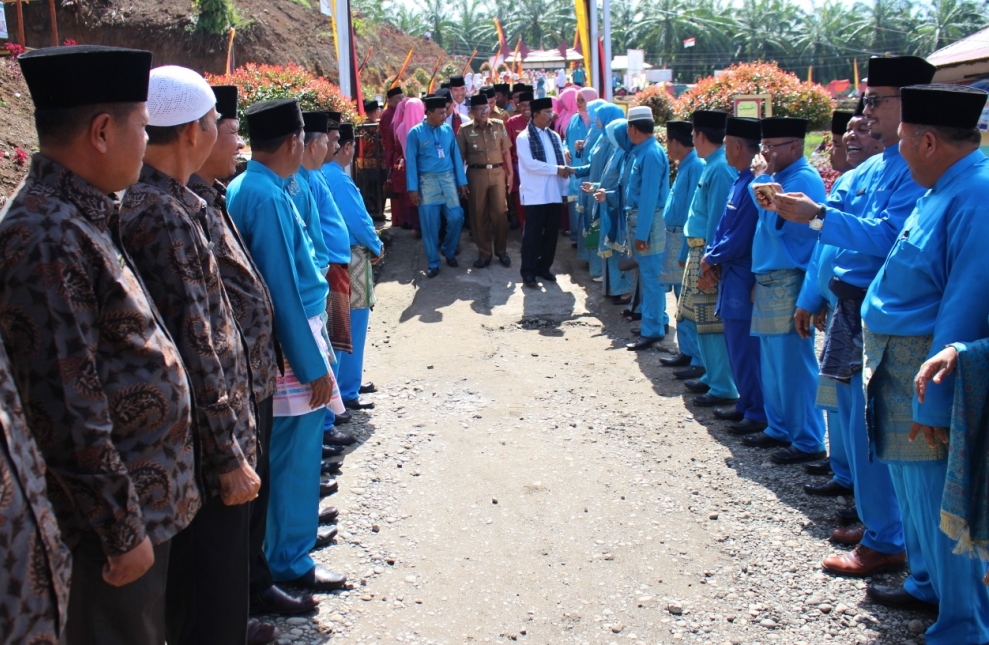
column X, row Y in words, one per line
column 434, row 151
column 275, row 235
column 866, row 236
column 331, row 222
column 359, row 224
column 711, row 196
column 689, row 172
column 305, row 202
column 933, row 281
column 778, row 244
column 648, row 185
column 576, row 131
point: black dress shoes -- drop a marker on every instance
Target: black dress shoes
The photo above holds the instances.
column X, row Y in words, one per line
column 342, row 419
column 830, row 488
column 820, row 468
column 897, row 597
column 694, row 371
column 530, row 281
column 337, row 437
column 367, row 388
column 358, row 404
column 325, row 535
column 848, row 515
column 791, row 455
column 328, row 487
column 708, row 400
column 695, row 385
column 480, row 264
column 276, row 601
column 332, row 451
column 328, row 466
column 763, row 440
column 746, row 426
column 642, row 343
column 680, row 360
column 452, row 262
column 730, row 414
column 319, row 579
column 329, row 515
column 546, row 275
column 504, row 260
column 432, row 272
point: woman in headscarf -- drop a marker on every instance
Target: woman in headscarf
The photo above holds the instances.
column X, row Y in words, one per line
column 566, row 108
column 574, row 133
column 408, row 113
column 617, row 283
column 597, row 149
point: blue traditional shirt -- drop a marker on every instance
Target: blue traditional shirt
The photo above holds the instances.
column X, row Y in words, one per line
column 360, row 226
column 689, row 172
column 933, row 281
column 432, row 150
column 866, row 236
column 305, row 202
column 709, row 199
column 648, row 185
column 275, row 234
column 779, row 244
column 331, row 222
column 730, row 247
column 576, row 131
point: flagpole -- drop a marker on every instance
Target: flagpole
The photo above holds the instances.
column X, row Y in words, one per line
column 594, row 74
column 608, row 89
column 342, row 18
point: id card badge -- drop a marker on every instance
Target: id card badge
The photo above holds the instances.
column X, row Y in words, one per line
column 440, row 153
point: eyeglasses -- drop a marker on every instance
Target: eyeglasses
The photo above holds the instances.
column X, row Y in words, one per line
column 766, row 148
column 873, row 100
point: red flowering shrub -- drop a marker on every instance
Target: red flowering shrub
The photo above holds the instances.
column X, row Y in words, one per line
column 256, row 83
column 14, row 49
column 69, row 42
column 658, row 99
column 791, row 96
column 821, row 160
column 21, row 156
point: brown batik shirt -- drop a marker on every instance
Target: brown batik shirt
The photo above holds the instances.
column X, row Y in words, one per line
column 246, row 290
column 163, row 227
column 34, row 583
column 104, row 391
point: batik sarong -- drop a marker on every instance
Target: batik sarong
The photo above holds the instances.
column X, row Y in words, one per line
column 695, row 304
column 775, row 302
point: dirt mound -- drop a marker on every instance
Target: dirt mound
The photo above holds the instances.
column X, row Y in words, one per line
column 17, row 135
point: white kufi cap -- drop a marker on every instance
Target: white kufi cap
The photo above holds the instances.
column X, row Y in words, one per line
column 177, row 95
column 641, row 113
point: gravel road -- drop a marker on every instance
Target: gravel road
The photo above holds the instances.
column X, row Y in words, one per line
column 523, row 478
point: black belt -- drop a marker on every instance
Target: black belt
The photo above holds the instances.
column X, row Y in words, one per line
column 483, row 166
column 846, row 291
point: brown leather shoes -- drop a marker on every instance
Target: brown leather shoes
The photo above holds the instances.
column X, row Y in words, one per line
column 862, row 562
column 850, row 535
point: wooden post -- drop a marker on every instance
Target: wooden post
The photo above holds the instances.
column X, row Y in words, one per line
column 20, row 23
column 51, row 13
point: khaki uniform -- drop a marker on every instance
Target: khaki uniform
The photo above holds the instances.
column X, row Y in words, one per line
column 498, row 113
column 482, row 149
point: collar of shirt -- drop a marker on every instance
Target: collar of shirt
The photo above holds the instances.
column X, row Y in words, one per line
column 640, row 149
column 209, row 193
column 689, row 159
column 92, row 204
column 268, row 173
column 958, row 168
column 791, row 170
column 716, row 156
column 151, row 176
column 891, row 152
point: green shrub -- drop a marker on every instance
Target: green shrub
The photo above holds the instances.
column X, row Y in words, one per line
column 214, row 17
column 658, row 100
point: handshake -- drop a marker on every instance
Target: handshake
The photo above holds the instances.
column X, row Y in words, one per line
column 565, row 171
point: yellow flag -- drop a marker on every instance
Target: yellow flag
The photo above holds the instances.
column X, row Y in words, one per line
column 855, row 67
column 584, row 30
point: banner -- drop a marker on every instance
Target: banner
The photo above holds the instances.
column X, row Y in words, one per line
column 401, row 72
column 584, row 33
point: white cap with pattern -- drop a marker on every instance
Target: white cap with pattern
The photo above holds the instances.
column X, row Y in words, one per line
column 177, row 95
column 641, row 113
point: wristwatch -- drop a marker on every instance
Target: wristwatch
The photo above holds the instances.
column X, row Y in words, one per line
column 817, row 223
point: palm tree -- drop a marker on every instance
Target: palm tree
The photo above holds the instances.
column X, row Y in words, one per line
column 945, row 21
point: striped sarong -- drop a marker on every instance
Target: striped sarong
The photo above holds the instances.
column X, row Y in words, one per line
column 672, row 272
column 775, row 302
column 827, row 394
column 361, row 279
column 292, row 397
column 657, row 237
column 890, row 365
column 695, row 304
column 338, row 308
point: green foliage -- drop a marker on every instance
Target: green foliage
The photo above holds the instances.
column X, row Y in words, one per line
column 214, row 17
column 658, row 100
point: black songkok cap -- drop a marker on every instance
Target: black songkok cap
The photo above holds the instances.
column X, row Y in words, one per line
column 519, row 87
column 711, row 119
column 226, row 101
column 272, row 119
column 435, row 103
column 487, row 90
column 784, row 126
column 334, row 116
column 860, row 107
column 748, row 129
column 444, row 86
column 540, row 104
column 315, row 121
column 899, row 71
column 457, row 81
column 951, row 106
column 445, row 93
column 371, row 106
column 395, row 91
column 525, row 97
column 67, row 77
column 504, row 88
column 679, row 129
column 478, row 100
column 346, row 132
column 839, row 121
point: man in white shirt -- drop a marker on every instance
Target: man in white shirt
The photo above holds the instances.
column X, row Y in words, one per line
column 543, row 173
column 458, row 89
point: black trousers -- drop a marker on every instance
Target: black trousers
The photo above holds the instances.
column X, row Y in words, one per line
column 101, row 613
column 260, row 573
column 208, row 578
column 542, row 229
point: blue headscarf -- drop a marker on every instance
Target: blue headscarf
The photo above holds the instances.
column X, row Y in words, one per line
column 617, row 132
column 608, row 113
column 593, row 131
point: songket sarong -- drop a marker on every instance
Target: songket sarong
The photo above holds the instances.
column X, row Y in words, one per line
column 361, row 279
column 890, row 365
column 439, row 188
column 672, row 272
column 695, row 304
column 338, row 308
column 827, row 393
column 965, row 505
column 657, row 241
column 775, row 302
column 292, row 397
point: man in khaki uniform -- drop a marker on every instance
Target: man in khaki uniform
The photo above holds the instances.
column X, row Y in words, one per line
column 485, row 147
column 496, row 112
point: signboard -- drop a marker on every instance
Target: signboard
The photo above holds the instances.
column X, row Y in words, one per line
column 659, row 75
column 636, row 61
column 3, row 23
column 753, row 106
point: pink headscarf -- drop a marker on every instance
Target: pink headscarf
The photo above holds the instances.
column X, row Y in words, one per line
column 589, row 94
column 566, row 107
column 412, row 116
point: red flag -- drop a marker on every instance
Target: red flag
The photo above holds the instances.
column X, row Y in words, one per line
column 563, row 50
column 523, row 50
column 689, row 42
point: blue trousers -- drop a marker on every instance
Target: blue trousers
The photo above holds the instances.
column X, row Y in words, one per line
column 743, row 356
column 619, row 282
column 789, row 390
column 574, row 220
column 352, row 365
column 687, row 338
column 594, row 264
column 874, row 494
column 429, row 220
column 653, row 295
column 293, row 505
column 837, row 450
column 936, row 574
column 714, row 357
